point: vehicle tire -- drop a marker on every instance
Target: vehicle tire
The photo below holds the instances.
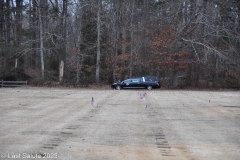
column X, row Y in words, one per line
column 118, row 87
column 149, row 87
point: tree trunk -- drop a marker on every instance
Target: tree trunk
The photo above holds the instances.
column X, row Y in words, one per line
column 79, row 41
column 78, row 69
column 62, row 27
column 123, row 38
column 8, row 48
column 131, row 50
column 175, row 79
column 61, row 69
column 116, row 44
column 41, row 37
column 18, row 22
column 98, row 41
column 123, row 35
column 2, row 35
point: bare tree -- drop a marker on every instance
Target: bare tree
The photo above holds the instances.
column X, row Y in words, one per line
column 98, row 40
column 62, row 55
column 38, row 2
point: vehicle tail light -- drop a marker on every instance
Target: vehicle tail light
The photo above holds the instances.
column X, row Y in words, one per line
column 157, row 83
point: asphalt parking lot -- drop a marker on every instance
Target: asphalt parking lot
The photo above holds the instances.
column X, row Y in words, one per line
column 51, row 123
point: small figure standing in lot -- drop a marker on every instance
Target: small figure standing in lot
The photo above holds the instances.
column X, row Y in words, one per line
column 92, row 101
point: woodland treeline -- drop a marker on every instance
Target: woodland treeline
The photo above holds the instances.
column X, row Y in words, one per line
column 183, row 42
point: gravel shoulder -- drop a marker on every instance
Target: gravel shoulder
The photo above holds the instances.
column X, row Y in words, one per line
column 53, row 123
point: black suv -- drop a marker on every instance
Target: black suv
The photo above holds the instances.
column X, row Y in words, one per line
column 148, row 82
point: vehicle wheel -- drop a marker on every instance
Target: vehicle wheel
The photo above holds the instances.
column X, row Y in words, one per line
column 118, row 87
column 149, row 87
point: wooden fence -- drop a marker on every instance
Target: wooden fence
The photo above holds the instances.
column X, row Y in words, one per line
column 13, row 83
